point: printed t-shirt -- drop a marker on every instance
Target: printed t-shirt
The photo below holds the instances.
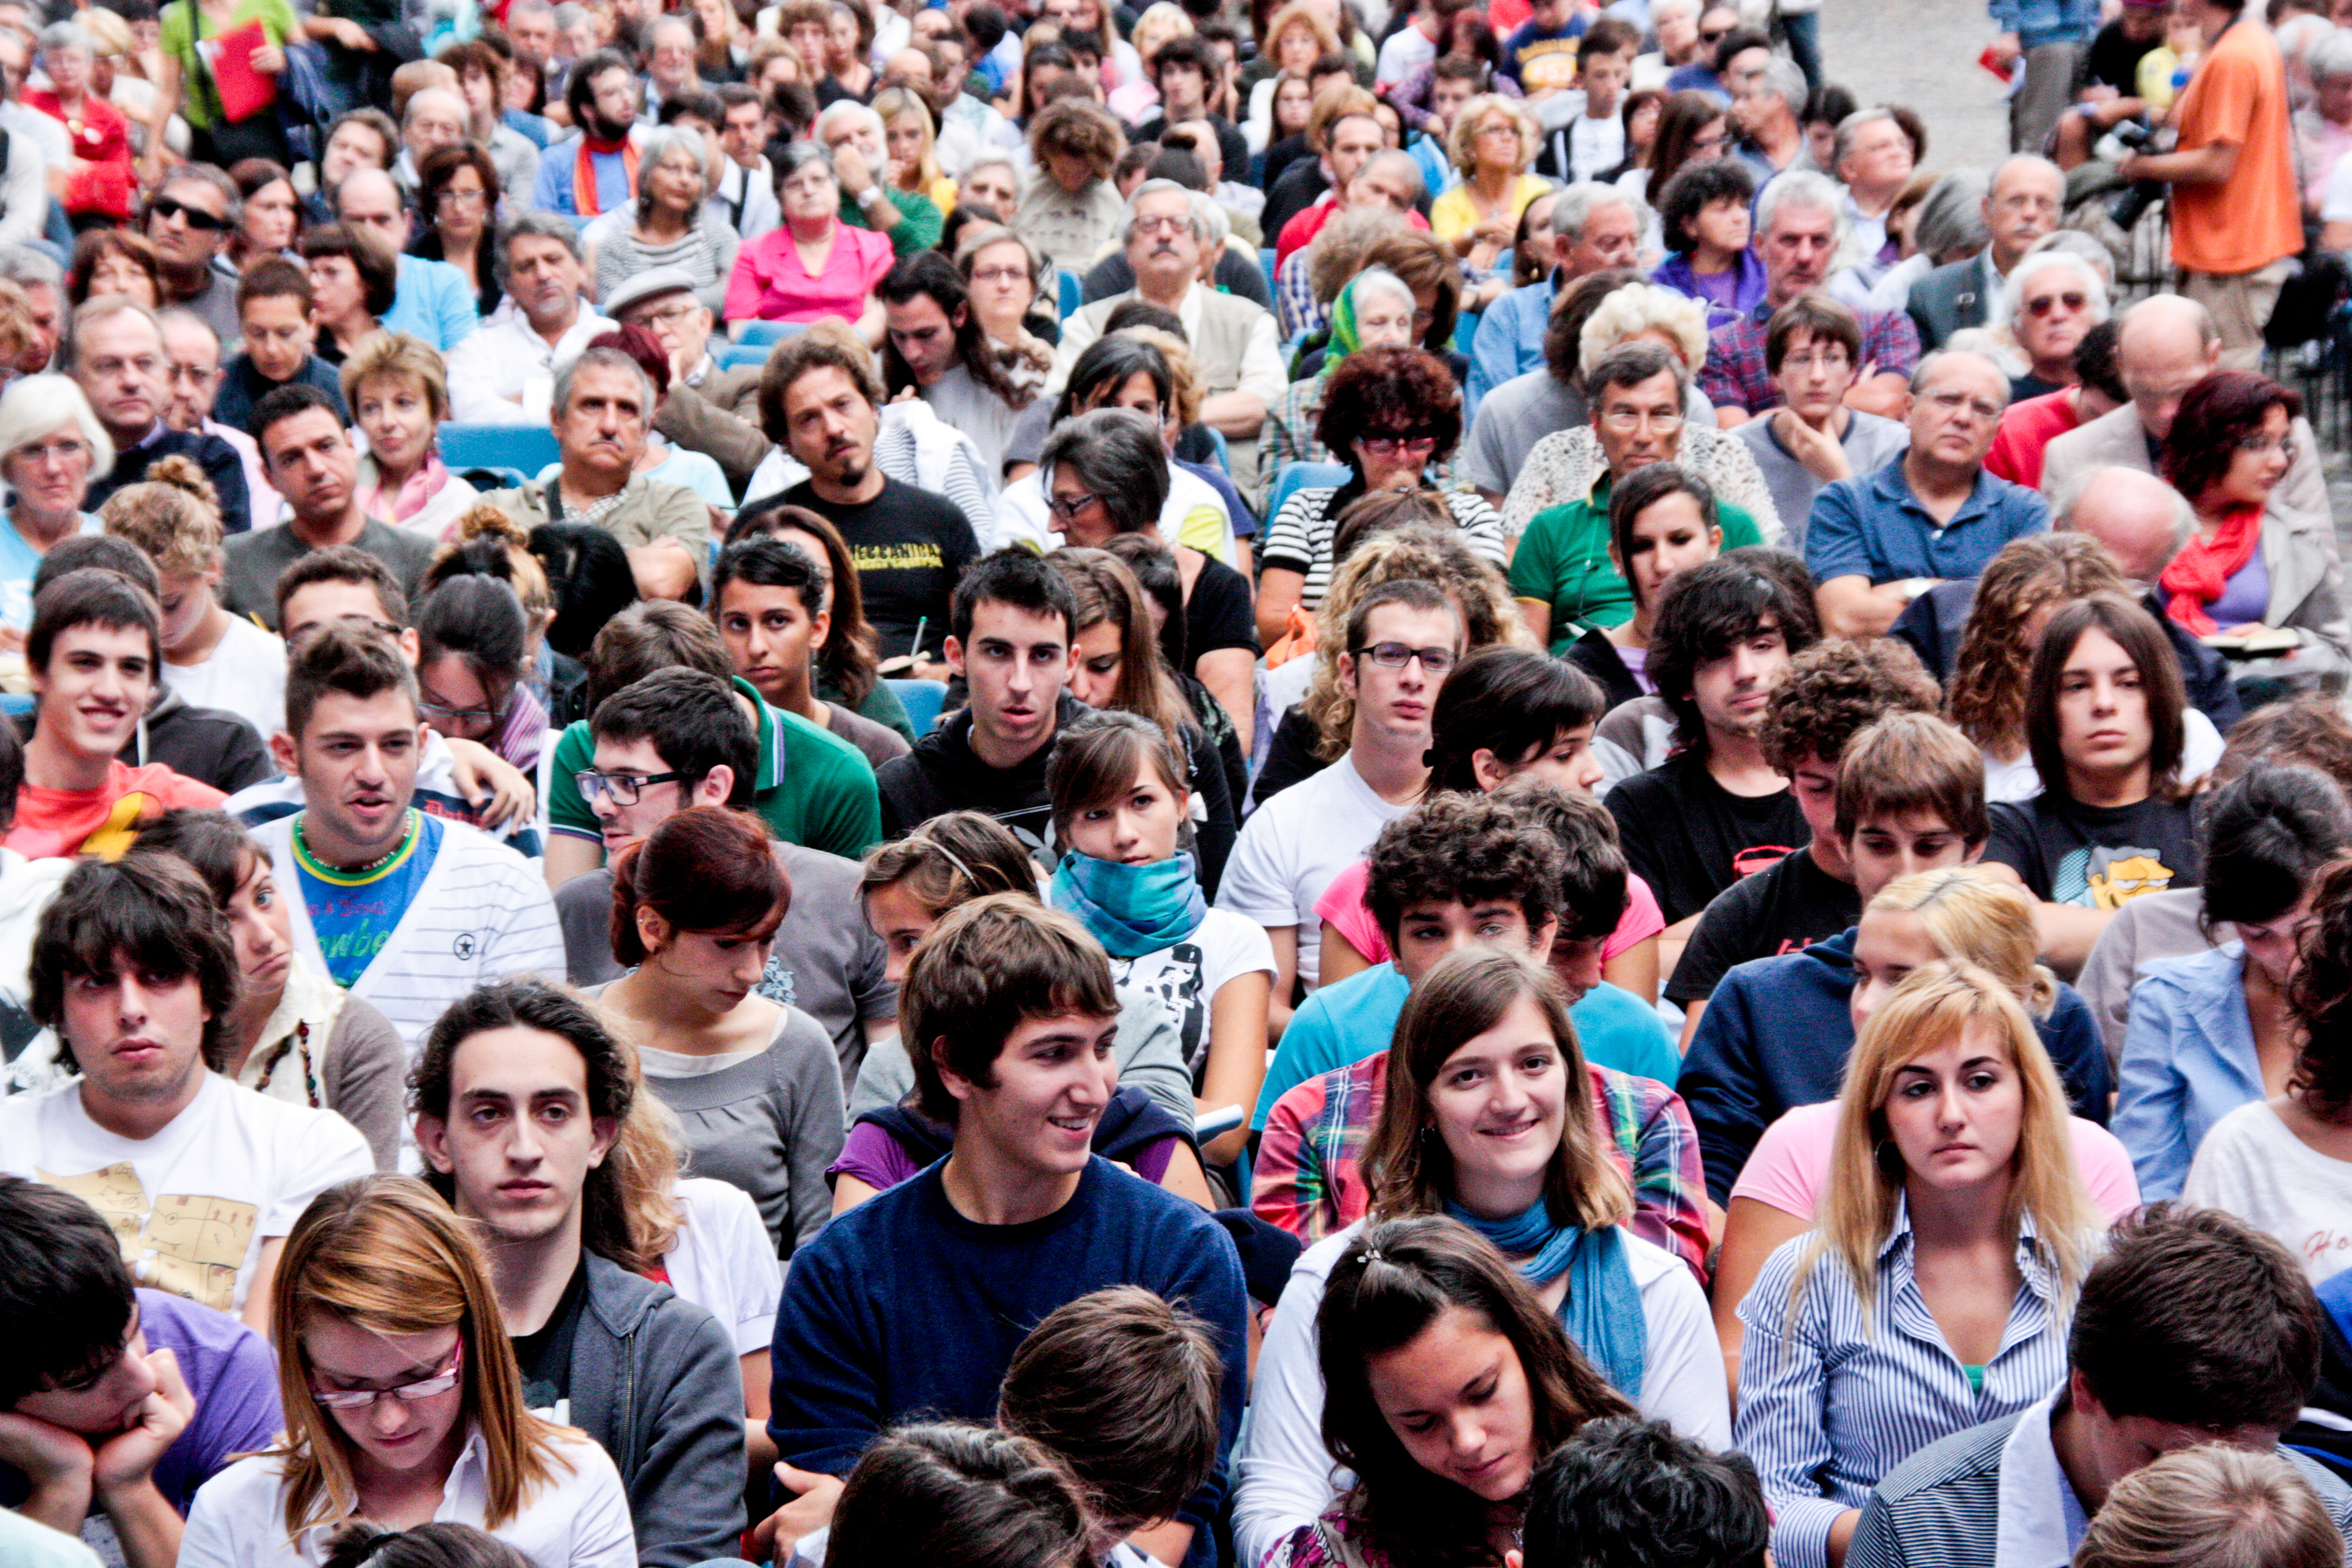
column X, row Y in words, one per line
column 909, row 546
column 1784, row 907
column 102, row 820
column 2095, row 857
column 1690, row 838
column 354, row 912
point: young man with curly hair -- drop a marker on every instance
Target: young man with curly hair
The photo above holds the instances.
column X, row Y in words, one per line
column 1831, row 692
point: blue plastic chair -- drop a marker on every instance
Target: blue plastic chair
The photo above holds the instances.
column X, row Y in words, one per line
column 527, row 447
column 1296, row 476
column 762, row 334
column 1265, row 264
column 1070, row 293
column 1223, row 450
column 922, row 700
column 729, row 355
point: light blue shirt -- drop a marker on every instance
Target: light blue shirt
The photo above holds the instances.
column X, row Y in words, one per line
column 552, row 192
column 1509, row 341
column 2188, row 1060
column 1872, row 526
column 433, row 303
column 18, row 562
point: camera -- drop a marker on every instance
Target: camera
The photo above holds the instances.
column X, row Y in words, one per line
column 2131, row 203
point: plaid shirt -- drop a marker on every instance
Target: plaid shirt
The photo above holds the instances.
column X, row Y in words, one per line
column 1735, row 376
column 1310, row 1168
column 1296, row 308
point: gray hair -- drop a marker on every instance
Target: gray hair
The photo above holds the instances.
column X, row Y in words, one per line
column 29, row 269
column 233, row 213
column 94, row 309
column 1209, row 219
column 1397, row 158
column 2074, row 242
column 1153, row 188
column 408, row 109
column 1951, row 215
column 2331, row 57
column 568, row 13
column 1572, row 212
column 1373, row 278
column 531, row 224
column 1926, row 371
column 1801, row 188
column 1784, row 79
column 1630, row 364
column 40, row 406
column 668, row 18
column 977, row 237
column 1118, row 455
column 2071, row 493
column 1850, row 127
column 533, row 7
column 987, row 159
column 180, row 316
column 2041, row 261
column 67, row 35
column 849, row 108
column 602, row 359
column 1657, row 5
column 799, row 156
column 658, row 145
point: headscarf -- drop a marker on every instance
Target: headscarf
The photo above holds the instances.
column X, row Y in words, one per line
column 1346, row 339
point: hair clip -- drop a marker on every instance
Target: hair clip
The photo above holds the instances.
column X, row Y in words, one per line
column 952, row 859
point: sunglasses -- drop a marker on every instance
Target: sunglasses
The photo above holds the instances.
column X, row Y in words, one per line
column 164, row 207
column 2048, row 302
column 1715, row 36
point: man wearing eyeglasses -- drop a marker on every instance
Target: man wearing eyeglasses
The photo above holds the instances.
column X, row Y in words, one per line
column 708, row 410
column 119, row 361
column 2021, row 205
column 1876, row 542
column 189, row 220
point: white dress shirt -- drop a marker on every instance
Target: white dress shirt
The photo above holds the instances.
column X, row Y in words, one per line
column 504, row 372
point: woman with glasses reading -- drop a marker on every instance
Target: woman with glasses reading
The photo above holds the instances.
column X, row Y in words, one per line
column 402, row 1403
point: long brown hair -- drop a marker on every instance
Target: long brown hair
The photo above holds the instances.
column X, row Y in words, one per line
column 2136, row 632
column 847, row 659
column 384, row 1254
column 1106, row 590
column 1987, row 699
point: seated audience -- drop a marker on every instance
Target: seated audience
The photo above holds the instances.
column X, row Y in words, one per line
column 1663, row 520
column 774, row 279
column 115, row 353
column 845, row 670
column 958, row 1496
column 1703, row 213
column 398, row 390
column 1374, row 308
column 771, row 602
column 1623, row 1493
column 504, row 372
column 667, row 225
column 2031, row 425
column 275, row 325
column 472, row 655
column 936, row 344
column 1812, row 349
column 51, row 447
column 2212, row 1505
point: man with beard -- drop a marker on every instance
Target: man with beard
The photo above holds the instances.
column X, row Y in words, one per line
column 591, row 171
column 504, row 372
column 117, row 358
column 193, row 213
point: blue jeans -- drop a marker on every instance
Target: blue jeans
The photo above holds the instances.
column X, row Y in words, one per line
column 1804, row 35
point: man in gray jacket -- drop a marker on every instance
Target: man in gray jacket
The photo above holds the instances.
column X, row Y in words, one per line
column 518, row 1095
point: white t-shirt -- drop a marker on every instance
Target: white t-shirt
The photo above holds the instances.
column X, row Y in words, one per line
column 725, row 1261
column 1595, row 146
column 1293, row 846
column 1407, row 51
column 1189, row 974
column 193, row 1204
column 246, row 676
column 2252, row 1166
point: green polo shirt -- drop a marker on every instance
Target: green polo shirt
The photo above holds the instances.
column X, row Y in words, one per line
column 1563, row 561
column 813, row 789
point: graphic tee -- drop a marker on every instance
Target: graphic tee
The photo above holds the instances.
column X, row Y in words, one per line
column 1689, row 838
column 354, row 913
column 2095, row 857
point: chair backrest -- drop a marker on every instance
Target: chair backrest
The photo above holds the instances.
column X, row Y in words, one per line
column 1265, row 262
column 1296, row 476
column 1070, row 296
column 1223, row 448
column 729, row 356
column 762, row 334
column 922, row 700
column 527, row 447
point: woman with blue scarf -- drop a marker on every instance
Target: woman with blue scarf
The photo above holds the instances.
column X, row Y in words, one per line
column 1487, row 1115
column 1121, row 805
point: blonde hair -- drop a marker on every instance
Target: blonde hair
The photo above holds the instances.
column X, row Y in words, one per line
column 399, row 355
column 894, row 102
column 1462, row 137
column 386, row 1254
column 644, row 1159
column 2212, row 1507
column 1299, row 15
column 174, row 515
column 1639, row 308
column 1162, row 21
column 1973, row 917
column 1934, row 1006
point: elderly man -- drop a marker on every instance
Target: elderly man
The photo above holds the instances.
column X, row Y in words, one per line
column 2167, row 345
column 1874, row 156
column 43, row 281
column 1878, row 540
column 1767, row 112
column 432, row 300
column 601, row 92
column 504, row 373
column 435, row 117
column 1233, row 340
column 853, row 133
column 1389, row 181
column 1799, row 233
column 193, row 214
column 669, row 60
column 116, row 356
column 602, row 408
column 2020, row 207
column 1812, row 346
column 747, row 185
column 708, row 410
column 2029, row 428
column 192, row 352
column 2054, row 298
column 1593, row 228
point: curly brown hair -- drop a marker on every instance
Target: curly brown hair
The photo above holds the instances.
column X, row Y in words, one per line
column 2043, row 571
column 1836, row 689
column 1463, row 848
column 1077, row 129
column 826, row 345
column 2321, row 996
column 1423, row 261
column 2218, row 412
column 1391, row 392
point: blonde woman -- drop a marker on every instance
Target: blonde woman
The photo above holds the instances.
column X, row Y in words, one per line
column 1936, row 1292
column 401, row 1403
column 1491, row 142
column 912, row 140
column 2212, row 1506
column 1296, row 37
column 398, row 392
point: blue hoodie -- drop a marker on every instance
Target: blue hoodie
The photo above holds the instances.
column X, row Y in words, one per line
column 1775, row 1035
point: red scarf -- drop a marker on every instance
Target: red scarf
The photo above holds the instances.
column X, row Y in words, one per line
column 2204, row 567
column 583, row 170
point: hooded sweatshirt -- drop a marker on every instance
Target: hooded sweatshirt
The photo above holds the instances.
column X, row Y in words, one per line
column 944, row 774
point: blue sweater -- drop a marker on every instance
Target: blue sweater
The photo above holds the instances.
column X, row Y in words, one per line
column 1775, row 1035
column 902, row 1307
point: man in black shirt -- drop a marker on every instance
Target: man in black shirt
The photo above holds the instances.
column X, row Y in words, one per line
column 821, row 400
column 1831, row 692
column 2107, row 93
column 1715, row 811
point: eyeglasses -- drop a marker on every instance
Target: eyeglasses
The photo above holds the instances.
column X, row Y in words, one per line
column 1801, row 362
column 53, row 451
column 1398, row 446
column 1172, row 223
column 999, row 274
column 472, row 717
column 1625, row 421
column 1713, row 36
column 624, row 788
column 1397, row 655
column 1067, row 508
column 196, row 217
column 454, row 197
column 670, row 316
column 2074, row 299
column 406, row 1393
column 2258, row 445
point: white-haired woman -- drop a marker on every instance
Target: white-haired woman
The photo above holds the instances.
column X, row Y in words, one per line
column 1565, row 465
column 1375, row 309
column 51, row 447
column 670, row 226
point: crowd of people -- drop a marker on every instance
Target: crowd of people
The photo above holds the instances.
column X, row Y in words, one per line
column 1056, row 788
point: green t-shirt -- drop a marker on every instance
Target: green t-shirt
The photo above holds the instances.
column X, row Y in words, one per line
column 881, row 705
column 277, row 20
column 920, row 219
column 813, row 789
column 1563, row 562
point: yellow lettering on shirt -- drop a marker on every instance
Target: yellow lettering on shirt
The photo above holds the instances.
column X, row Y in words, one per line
column 911, row 556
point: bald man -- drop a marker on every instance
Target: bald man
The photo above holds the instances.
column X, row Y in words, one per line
column 1876, row 542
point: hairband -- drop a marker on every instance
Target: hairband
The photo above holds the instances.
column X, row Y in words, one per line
column 952, row 859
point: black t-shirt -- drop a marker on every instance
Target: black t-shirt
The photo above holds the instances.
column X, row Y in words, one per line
column 2097, row 857
column 1218, row 615
column 909, row 546
column 1689, row 838
column 1781, row 909
column 2114, row 59
column 545, row 1357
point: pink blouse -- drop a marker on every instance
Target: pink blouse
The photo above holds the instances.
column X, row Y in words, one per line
column 1344, row 906
column 770, row 284
column 1791, row 1163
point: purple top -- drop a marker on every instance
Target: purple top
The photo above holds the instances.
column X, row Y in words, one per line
column 1728, row 295
column 874, row 1157
column 2246, row 597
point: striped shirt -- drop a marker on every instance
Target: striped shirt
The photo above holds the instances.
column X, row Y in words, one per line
column 1836, row 1394
column 1300, row 537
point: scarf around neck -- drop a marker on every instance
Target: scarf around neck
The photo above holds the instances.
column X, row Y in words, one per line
column 2201, row 572
column 1602, row 1308
column 583, row 170
column 1131, row 909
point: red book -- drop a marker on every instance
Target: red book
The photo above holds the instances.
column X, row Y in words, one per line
column 229, row 57
column 1992, row 63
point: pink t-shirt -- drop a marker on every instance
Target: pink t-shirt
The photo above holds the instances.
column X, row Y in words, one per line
column 1792, row 1160
column 1342, row 904
column 770, row 284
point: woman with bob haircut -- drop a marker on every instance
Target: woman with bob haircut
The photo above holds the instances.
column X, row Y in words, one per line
column 696, row 905
column 354, row 278
column 401, row 1403
column 1952, row 1187
column 1704, row 210
column 397, row 389
column 2213, row 1030
column 2213, row 1506
column 1491, row 142
column 114, row 261
column 954, row 1496
column 1449, row 1381
column 1484, row 1044
column 52, row 446
column 670, row 226
column 1122, row 794
column 1663, row 520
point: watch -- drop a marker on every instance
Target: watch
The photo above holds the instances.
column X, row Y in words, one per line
column 871, row 197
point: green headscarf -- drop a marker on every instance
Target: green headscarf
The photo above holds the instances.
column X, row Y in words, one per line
column 1345, row 337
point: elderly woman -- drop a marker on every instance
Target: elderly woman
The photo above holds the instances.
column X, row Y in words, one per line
column 670, row 225
column 811, row 265
column 993, row 180
column 1002, row 274
column 1565, row 465
column 1945, row 225
column 457, row 192
column 1491, row 142
column 1073, row 209
column 51, row 444
column 2054, row 298
column 114, row 261
column 1704, row 211
column 908, row 131
column 1296, row 37
column 269, row 218
column 353, row 277
column 1375, row 309
column 1389, row 414
column 99, row 179
column 398, row 393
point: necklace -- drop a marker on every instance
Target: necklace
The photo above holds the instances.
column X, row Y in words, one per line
column 303, row 844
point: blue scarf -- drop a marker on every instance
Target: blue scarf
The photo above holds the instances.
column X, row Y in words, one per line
column 1603, row 1309
column 1131, row 909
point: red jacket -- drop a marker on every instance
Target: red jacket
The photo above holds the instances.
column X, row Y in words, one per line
column 103, row 181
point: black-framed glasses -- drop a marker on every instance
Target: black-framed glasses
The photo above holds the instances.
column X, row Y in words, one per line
column 1395, row 445
column 471, row 718
column 2074, row 299
column 1397, row 655
column 1068, row 509
column 624, row 788
column 165, row 206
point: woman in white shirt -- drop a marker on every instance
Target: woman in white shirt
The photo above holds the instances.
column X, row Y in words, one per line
column 402, row 1403
column 1487, row 1118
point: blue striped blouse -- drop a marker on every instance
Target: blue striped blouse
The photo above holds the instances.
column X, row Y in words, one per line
column 1836, row 1395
